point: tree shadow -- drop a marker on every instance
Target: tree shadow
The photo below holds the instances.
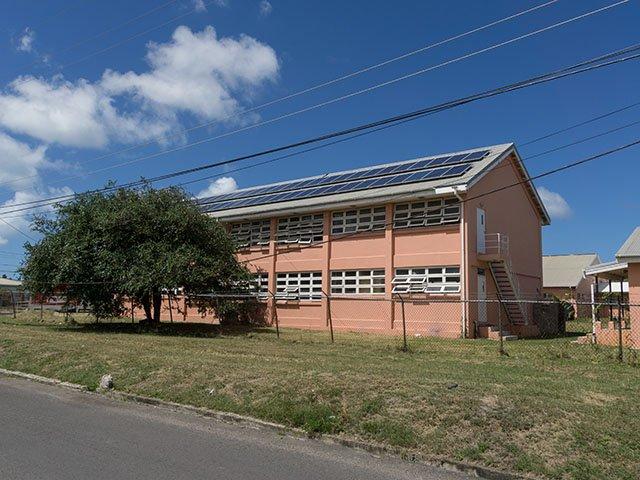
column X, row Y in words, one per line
column 201, row 330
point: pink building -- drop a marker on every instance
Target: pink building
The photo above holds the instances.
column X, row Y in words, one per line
column 432, row 231
column 625, row 328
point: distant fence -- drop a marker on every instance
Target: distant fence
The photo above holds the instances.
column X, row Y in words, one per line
column 405, row 319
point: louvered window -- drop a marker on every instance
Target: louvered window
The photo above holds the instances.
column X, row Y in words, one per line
column 357, row 282
column 301, row 229
column 433, row 212
column 360, row 220
column 427, row 280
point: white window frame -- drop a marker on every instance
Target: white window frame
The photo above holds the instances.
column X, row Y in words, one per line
column 430, row 280
column 358, row 220
column 250, row 234
column 299, row 286
column 301, row 229
column 434, row 212
column 358, row 282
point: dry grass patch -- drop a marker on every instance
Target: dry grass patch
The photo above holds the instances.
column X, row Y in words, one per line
column 569, row 415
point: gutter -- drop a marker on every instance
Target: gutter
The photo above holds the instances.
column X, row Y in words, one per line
column 455, row 190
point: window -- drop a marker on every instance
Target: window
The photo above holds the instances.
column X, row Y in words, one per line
column 302, row 229
column 361, row 220
column 357, row 281
column 433, row 212
column 258, row 284
column 299, row 286
column 248, row 234
column 427, row 280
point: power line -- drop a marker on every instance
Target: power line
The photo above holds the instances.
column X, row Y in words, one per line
column 102, row 33
column 586, row 122
column 313, row 88
column 117, row 44
column 588, row 65
column 349, row 95
column 582, row 140
column 490, row 192
column 317, row 147
column 13, row 227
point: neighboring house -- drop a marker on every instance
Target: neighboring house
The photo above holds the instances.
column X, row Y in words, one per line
column 11, row 292
column 625, row 272
column 421, row 229
column 563, row 277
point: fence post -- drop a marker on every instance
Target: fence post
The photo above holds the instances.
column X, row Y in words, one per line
column 404, row 324
column 620, row 354
column 275, row 314
column 500, row 307
column 13, row 303
column 329, row 316
column 133, row 318
column 170, row 307
column 41, row 309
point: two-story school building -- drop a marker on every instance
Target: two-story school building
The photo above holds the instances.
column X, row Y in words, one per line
column 451, row 227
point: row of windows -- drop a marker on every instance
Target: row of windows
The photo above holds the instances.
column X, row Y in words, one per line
column 306, row 229
column 308, row 285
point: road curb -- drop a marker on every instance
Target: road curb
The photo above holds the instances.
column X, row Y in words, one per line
column 370, row 447
column 41, row 379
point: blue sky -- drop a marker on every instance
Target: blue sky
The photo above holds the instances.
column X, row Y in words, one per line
column 68, row 99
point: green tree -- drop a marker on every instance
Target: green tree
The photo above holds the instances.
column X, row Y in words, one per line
column 107, row 248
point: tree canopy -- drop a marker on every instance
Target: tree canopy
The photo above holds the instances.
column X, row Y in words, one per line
column 105, row 249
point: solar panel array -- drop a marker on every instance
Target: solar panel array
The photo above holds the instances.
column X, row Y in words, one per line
column 446, row 166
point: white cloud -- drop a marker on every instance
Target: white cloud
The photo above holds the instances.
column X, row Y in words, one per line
column 556, row 205
column 19, row 160
column 218, row 187
column 22, row 221
column 25, row 42
column 195, row 72
column 72, row 114
column 199, row 6
column 265, row 8
column 198, row 73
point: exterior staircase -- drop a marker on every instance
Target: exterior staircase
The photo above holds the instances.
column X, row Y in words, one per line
column 497, row 256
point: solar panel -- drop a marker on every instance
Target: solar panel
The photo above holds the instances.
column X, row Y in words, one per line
column 346, row 178
column 356, row 185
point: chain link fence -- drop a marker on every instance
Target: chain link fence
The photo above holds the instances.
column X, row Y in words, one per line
column 606, row 328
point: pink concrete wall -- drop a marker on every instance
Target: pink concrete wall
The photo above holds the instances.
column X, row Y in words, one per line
column 634, row 302
column 512, row 212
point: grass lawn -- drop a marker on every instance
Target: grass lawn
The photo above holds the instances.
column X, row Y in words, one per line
column 551, row 408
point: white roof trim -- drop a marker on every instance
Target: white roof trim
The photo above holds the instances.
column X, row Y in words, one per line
column 608, row 267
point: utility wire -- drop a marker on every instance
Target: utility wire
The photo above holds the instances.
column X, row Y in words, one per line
column 115, row 45
column 341, row 97
column 101, row 34
column 588, row 65
column 586, row 122
column 582, row 140
column 475, row 197
column 13, row 227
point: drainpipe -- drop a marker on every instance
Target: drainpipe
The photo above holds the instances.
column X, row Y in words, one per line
column 463, row 251
column 463, row 264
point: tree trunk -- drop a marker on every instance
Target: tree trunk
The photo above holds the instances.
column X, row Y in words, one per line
column 157, row 306
column 146, row 305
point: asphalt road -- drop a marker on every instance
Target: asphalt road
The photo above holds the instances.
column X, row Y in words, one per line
column 51, row 433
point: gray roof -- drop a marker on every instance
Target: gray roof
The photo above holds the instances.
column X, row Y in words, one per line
column 404, row 192
column 7, row 282
column 630, row 249
column 566, row 270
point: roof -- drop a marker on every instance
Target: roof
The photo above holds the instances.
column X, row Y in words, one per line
column 630, row 249
column 422, row 177
column 566, row 270
column 7, row 282
column 608, row 270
